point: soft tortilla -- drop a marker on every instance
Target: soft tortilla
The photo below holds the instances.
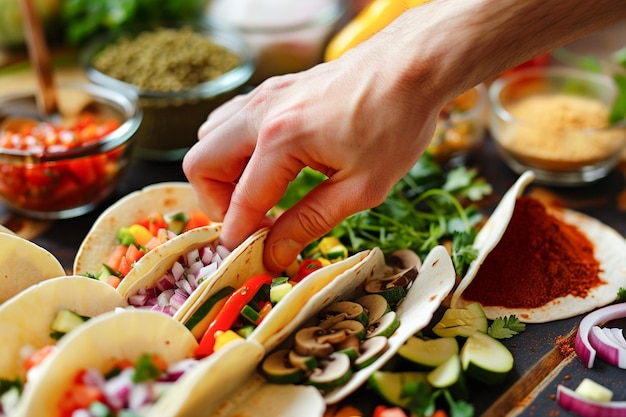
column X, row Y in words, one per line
column 609, row 249
column 247, row 261
column 24, row 263
column 102, row 341
column 26, row 318
column 150, row 268
column 164, row 198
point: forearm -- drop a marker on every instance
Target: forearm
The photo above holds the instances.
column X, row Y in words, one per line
column 455, row 44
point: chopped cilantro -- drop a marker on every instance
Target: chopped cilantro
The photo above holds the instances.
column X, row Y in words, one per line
column 423, row 400
column 505, row 327
column 621, row 294
column 146, row 369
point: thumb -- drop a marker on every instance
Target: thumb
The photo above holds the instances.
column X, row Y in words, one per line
column 326, row 206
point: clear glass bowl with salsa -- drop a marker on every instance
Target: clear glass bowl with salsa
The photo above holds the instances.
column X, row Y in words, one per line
column 64, row 165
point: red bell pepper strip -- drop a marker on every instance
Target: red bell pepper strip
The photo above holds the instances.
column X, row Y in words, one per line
column 306, row 267
column 230, row 312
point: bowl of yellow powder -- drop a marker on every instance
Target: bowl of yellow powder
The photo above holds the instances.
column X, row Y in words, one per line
column 557, row 122
column 179, row 73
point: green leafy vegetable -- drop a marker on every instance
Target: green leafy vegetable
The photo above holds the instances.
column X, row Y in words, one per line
column 85, row 19
column 621, row 294
column 423, row 400
column 146, row 369
column 618, row 111
column 423, row 210
column 506, row 327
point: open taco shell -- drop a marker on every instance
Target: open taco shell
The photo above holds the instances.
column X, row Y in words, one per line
column 99, row 344
column 22, row 264
column 609, row 249
column 26, row 319
column 167, row 197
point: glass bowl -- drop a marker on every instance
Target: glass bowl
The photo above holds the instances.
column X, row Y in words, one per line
column 460, row 127
column 285, row 36
column 555, row 122
column 63, row 166
column 172, row 113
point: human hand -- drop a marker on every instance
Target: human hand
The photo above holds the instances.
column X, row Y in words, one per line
column 345, row 120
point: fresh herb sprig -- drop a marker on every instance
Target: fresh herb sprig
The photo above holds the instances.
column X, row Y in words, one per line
column 423, row 400
column 505, row 327
column 428, row 207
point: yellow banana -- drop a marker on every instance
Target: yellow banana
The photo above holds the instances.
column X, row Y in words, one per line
column 374, row 17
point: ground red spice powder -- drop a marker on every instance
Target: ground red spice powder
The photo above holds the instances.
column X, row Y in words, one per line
column 538, row 259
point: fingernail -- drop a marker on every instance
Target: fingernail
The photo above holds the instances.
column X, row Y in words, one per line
column 284, row 251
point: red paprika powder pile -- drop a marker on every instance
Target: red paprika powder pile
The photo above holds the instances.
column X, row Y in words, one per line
column 539, row 258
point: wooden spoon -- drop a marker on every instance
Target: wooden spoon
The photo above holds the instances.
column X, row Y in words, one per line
column 40, row 58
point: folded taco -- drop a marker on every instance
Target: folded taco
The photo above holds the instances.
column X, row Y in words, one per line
column 244, row 301
column 135, row 363
column 34, row 321
column 22, row 264
column 608, row 247
column 135, row 225
column 357, row 323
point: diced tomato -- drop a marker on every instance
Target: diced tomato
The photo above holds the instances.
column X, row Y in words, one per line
column 385, row 411
column 37, row 357
column 440, row 413
column 153, row 223
column 159, row 363
column 116, row 256
column 79, row 396
column 197, row 219
column 114, row 281
column 124, row 267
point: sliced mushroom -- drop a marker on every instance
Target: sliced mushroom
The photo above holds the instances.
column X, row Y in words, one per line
column 371, row 350
column 332, row 321
column 393, row 287
column 376, row 306
column 333, row 337
column 402, row 259
column 306, row 343
column 352, row 311
column 352, row 327
column 332, row 372
column 385, row 326
column 277, row 368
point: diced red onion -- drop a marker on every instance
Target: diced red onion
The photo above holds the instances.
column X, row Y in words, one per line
column 181, row 280
column 572, row 401
column 139, row 396
column 177, row 270
column 117, row 389
column 81, row 413
column 193, row 256
column 584, row 347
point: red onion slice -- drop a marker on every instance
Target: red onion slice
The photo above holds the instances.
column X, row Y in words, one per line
column 572, row 401
column 584, row 347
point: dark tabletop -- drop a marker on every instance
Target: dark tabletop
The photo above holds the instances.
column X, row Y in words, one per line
column 539, row 361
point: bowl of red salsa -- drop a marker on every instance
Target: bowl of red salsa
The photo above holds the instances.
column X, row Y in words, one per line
column 63, row 166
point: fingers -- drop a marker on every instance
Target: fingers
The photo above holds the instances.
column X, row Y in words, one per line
column 315, row 215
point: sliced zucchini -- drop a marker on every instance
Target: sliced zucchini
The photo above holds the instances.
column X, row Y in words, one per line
column 371, row 350
column 65, row 321
column 277, row 368
column 200, row 319
column 388, row 385
column 385, row 326
column 428, row 354
column 250, row 314
column 277, row 292
column 332, row 372
column 449, row 375
column 485, row 359
column 176, row 222
column 462, row 322
column 375, row 305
